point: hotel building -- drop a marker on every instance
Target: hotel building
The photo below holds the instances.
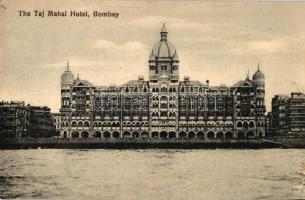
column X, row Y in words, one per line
column 163, row 106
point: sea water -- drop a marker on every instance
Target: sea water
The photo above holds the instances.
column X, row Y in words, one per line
column 152, row 174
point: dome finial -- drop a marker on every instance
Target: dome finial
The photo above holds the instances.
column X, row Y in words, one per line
column 77, row 75
column 163, row 33
column 247, row 75
column 68, row 66
column 258, row 66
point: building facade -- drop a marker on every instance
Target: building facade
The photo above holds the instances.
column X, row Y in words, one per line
column 18, row 120
column 40, row 122
column 56, row 117
column 288, row 114
column 163, row 106
column 278, row 113
column 13, row 119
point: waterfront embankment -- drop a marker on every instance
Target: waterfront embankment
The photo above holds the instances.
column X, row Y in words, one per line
column 147, row 143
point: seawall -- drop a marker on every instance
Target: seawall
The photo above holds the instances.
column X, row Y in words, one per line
column 147, row 143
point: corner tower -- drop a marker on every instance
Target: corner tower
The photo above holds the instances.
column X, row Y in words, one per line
column 67, row 79
column 259, row 81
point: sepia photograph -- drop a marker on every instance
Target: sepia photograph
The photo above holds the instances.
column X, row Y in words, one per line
column 156, row 100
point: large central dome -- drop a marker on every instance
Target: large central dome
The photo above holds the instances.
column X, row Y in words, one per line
column 164, row 49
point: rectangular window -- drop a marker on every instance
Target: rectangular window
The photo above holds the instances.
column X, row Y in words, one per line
column 163, row 68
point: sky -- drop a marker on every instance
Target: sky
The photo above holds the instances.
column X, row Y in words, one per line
column 219, row 42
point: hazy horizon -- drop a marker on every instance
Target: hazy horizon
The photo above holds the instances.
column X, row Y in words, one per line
column 219, row 42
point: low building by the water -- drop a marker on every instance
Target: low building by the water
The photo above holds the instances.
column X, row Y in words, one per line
column 278, row 121
column 20, row 120
column 13, row 119
column 163, row 106
column 40, row 122
column 288, row 114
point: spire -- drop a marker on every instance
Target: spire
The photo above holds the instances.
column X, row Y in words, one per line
column 77, row 75
column 258, row 66
column 175, row 57
column 68, row 66
column 247, row 75
column 163, row 33
column 152, row 56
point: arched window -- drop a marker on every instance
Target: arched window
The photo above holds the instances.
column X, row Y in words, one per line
column 80, row 124
column 245, row 125
column 97, row 102
column 163, row 98
column 251, row 124
column 86, row 124
column 239, row 124
column 74, row 124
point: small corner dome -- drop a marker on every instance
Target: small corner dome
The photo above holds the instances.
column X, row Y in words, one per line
column 67, row 77
column 176, row 58
column 258, row 75
column 152, row 56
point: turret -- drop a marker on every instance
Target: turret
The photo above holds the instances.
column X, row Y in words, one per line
column 258, row 76
column 67, row 79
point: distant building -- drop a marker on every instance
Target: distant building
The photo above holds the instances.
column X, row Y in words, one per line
column 279, row 104
column 20, row 120
column 163, row 106
column 296, row 113
column 13, row 119
column 40, row 122
column 288, row 114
